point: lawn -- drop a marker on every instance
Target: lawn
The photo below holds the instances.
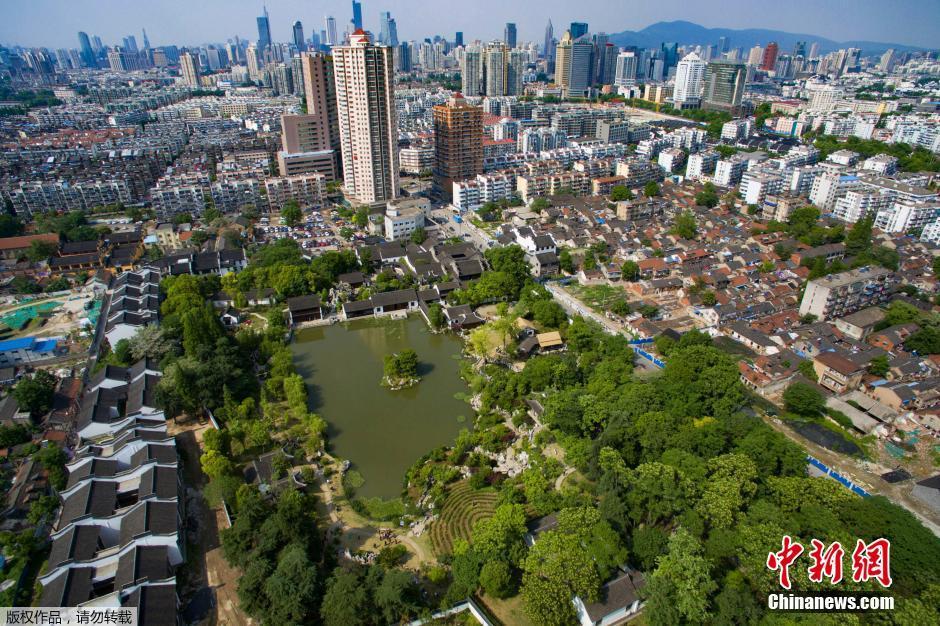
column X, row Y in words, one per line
column 508, row 611
column 731, row 347
column 598, row 297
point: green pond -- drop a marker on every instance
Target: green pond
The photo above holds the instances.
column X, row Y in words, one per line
column 382, row 432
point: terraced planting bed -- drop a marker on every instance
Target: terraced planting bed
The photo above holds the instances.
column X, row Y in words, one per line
column 462, row 509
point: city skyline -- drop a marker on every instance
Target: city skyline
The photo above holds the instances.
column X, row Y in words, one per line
column 53, row 23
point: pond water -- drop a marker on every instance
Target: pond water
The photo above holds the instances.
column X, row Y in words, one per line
column 382, row 432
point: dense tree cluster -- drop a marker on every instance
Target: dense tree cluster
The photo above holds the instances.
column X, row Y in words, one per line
column 400, row 368
column 910, row 159
column 508, row 274
column 279, row 549
column 282, row 267
column 689, row 487
column 34, row 393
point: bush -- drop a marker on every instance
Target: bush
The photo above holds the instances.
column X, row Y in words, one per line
column 840, row 418
column 804, row 400
column 496, row 579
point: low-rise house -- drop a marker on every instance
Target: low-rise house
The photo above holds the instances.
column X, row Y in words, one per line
column 837, row 373
column 24, row 350
column 302, row 309
column 462, row 317
column 892, row 338
column 756, row 341
column 860, row 324
column 619, row 599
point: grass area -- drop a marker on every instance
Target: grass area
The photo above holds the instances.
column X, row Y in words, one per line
column 598, row 297
column 379, row 509
column 508, row 611
column 462, row 509
column 733, row 348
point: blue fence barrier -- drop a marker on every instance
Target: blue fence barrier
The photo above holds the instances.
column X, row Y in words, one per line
column 649, row 357
column 828, row 471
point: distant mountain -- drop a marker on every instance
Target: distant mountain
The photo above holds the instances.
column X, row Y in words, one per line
column 688, row 33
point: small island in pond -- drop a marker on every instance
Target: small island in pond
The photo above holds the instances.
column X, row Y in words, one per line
column 401, row 370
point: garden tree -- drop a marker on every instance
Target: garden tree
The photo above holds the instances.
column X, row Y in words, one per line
column 686, row 225
column 709, row 298
column 40, row 251
column 899, row 312
column 291, row 214
column 936, row 266
column 664, row 344
column 292, row 587
column 41, row 509
column 620, row 307
column 252, row 598
column 806, row 369
column 732, row 482
column 361, row 219
column 60, row 283
column 803, row 399
column 53, row 458
column 651, row 189
column 858, row 239
column 596, row 537
column 630, row 270
column 701, row 380
column 773, row 453
column 14, row 435
column 211, row 214
column 215, row 464
column 656, row 493
column 549, row 313
column 496, row 579
column 436, row 316
column 419, row 235
column 620, row 192
column 183, row 218
column 396, row 596
column 708, row 196
column 465, row 570
column 150, row 342
column 501, row 536
column 201, row 330
column 879, row 365
column 566, row 264
column 122, row 353
column 924, row 341
column 555, row 569
column 199, row 237
column 34, row 393
column 648, row 544
column 346, row 601
column 735, row 602
column 678, row 591
column 401, row 365
column 10, row 225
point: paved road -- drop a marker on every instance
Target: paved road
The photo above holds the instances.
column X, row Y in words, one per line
column 575, row 307
column 465, row 230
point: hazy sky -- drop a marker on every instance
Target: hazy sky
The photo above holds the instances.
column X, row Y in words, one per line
column 54, row 23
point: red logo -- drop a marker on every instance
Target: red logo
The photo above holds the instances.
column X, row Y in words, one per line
column 827, row 563
column 869, row 561
column 872, row 561
column 784, row 559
